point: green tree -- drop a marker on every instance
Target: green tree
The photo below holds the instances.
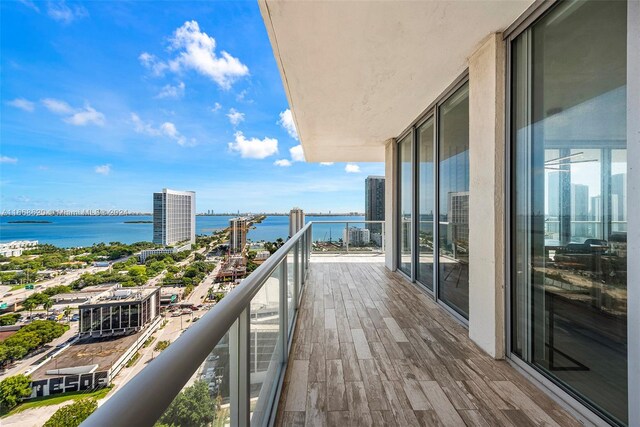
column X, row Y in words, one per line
column 72, row 415
column 9, row 319
column 191, row 408
column 67, row 312
column 13, row 390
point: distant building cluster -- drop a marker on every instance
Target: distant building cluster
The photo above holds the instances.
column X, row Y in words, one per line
column 174, row 217
column 16, row 247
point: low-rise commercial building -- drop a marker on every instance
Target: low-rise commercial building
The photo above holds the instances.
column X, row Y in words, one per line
column 120, row 311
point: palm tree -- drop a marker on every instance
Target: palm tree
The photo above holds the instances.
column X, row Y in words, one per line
column 67, row 312
column 47, row 305
column 29, row 305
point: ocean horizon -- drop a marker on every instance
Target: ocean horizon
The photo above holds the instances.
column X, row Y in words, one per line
column 76, row 231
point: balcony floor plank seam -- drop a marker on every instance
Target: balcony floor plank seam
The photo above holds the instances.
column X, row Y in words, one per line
column 371, row 349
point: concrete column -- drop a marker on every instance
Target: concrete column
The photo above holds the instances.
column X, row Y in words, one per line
column 486, row 196
column 390, row 203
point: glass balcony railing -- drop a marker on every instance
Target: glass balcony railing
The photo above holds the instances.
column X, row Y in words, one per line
column 231, row 362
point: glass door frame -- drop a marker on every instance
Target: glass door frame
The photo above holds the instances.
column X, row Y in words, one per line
column 579, row 405
column 431, row 112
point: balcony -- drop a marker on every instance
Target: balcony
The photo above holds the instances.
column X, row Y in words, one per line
column 332, row 338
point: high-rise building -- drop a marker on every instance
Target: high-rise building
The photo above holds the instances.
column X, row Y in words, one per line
column 356, row 236
column 619, row 189
column 296, row 221
column 238, row 228
column 174, row 217
column 553, row 194
column 458, row 227
column 580, row 210
column 374, row 204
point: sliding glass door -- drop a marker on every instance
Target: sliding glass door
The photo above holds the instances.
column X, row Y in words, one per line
column 434, row 218
column 426, row 203
column 569, row 201
column 453, row 172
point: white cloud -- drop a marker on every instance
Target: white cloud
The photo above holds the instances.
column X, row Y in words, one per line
column 242, row 95
column 7, row 159
column 75, row 116
column 56, row 106
column 86, row 116
column 297, row 155
column 286, row 121
column 169, row 91
column 23, row 104
column 103, row 169
column 282, row 163
column 197, row 51
column 30, row 5
column 216, row 107
column 235, row 117
column 351, row 168
column 326, row 163
column 60, row 12
column 143, row 127
column 254, row 148
column 152, row 63
column 170, row 130
column 166, row 129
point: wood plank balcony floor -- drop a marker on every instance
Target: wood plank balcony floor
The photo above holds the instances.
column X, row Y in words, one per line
column 370, row 349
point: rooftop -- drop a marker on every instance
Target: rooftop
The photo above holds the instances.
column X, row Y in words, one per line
column 120, row 295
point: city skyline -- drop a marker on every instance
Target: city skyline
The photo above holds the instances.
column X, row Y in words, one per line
column 99, row 123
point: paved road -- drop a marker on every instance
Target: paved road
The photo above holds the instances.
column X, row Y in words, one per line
column 63, row 279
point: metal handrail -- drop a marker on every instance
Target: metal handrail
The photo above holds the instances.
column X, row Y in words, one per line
column 143, row 400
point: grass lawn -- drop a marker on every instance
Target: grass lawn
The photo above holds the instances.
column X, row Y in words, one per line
column 58, row 398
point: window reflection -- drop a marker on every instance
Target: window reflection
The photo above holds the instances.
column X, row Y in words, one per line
column 454, row 201
column 426, row 203
column 570, row 262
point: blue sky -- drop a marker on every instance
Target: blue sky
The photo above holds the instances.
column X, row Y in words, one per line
column 103, row 103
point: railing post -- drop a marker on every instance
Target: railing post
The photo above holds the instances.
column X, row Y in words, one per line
column 239, row 370
column 346, row 235
column 234, row 370
column 383, row 235
column 296, row 274
column 284, row 310
column 303, row 246
column 309, row 246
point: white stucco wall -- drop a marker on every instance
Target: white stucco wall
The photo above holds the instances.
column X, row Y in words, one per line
column 486, row 200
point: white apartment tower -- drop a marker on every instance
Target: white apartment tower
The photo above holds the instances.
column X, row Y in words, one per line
column 174, row 217
column 296, row 221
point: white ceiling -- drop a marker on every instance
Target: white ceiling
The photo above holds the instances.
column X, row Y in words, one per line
column 357, row 73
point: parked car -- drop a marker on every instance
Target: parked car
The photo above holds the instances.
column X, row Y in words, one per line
column 75, row 317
